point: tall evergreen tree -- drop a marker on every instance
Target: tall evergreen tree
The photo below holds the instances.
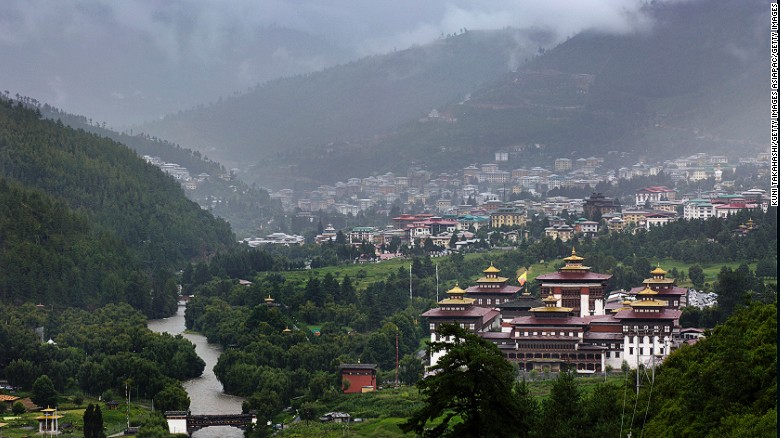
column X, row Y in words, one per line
column 93, row 422
column 562, row 412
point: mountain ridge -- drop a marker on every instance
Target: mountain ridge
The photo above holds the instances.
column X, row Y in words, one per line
column 360, row 98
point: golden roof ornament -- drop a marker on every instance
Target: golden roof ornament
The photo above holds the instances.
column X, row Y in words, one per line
column 658, row 271
column 491, row 269
column 573, row 257
column 456, row 290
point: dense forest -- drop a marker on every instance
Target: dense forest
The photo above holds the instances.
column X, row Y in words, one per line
column 87, row 222
column 248, row 209
column 96, row 353
column 116, row 189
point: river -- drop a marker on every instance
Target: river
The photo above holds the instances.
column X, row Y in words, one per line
column 206, row 396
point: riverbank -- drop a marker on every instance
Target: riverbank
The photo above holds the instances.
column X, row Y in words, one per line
column 205, row 392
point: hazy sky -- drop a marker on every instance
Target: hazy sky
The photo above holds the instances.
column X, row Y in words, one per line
column 127, row 61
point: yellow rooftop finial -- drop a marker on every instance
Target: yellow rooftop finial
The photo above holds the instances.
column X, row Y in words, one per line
column 456, row 290
column 573, row 257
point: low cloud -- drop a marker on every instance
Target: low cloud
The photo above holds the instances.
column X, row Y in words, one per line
column 73, row 53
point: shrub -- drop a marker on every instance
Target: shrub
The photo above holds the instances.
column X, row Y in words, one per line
column 18, row 408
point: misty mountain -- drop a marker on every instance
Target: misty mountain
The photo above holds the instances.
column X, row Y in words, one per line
column 358, row 99
column 694, row 81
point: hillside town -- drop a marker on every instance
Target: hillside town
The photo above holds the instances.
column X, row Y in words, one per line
column 491, row 198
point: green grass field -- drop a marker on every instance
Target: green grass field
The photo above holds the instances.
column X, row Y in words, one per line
column 361, row 275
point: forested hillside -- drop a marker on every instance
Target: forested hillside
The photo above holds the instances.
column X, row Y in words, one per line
column 86, row 222
column 725, row 385
column 247, row 208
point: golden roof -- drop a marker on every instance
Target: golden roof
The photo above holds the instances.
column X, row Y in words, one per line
column 573, row 257
column 552, row 309
column 650, row 303
column 491, row 269
column 658, row 271
column 575, row 267
column 286, row 330
column 456, row 290
column 647, row 291
column 492, row 280
column 457, row 301
column 269, row 299
column 550, row 299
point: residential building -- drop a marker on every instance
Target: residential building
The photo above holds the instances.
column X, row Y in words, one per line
column 654, row 194
column 563, row 232
column 359, row 235
column 562, row 164
column 658, row 218
column 698, row 209
column 586, row 227
column 509, row 216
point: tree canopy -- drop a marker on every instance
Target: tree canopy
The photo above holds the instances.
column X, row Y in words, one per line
column 469, row 391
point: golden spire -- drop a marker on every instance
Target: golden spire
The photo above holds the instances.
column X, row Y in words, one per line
column 573, row 257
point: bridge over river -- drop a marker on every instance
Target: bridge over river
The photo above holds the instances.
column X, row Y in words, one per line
column 186, row 422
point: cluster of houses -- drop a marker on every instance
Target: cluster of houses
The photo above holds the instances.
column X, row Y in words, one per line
column 181, row 173
column 446, row 193
column 653, row 206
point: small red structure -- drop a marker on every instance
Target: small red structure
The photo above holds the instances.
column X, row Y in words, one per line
column 358, row 377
